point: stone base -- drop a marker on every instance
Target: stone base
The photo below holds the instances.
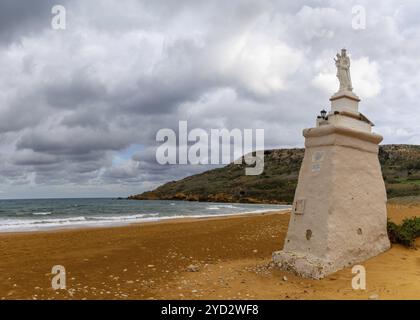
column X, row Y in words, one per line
column 309, row 266
column 302, row 265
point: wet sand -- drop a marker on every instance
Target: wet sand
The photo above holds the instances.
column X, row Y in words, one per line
column 150, row 261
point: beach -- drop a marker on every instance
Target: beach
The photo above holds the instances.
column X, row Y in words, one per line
column 205, row 258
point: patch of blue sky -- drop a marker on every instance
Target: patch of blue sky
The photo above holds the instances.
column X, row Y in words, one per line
column 126, row 154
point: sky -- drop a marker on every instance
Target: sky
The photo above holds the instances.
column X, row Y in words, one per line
column 80, row 107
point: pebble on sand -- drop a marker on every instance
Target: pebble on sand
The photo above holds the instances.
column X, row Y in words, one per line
column 193, row 268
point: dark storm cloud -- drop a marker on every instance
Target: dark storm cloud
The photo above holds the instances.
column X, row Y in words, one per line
column 24, row 18
column 29, row 158
column 77, row 91
column 92, row 117
column 75, row 142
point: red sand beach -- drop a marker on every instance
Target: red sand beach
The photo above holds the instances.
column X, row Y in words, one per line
column 150, row 261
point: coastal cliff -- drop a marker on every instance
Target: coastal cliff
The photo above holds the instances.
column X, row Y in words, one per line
column 400, row 169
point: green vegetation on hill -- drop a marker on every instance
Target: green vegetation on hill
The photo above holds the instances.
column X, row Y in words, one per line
column 400, row 168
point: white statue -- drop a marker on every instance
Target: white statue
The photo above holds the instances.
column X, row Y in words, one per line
column 342, row 62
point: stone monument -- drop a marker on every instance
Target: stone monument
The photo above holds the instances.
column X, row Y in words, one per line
column 339, row 212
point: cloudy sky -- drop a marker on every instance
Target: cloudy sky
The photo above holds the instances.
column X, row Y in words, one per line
column 80, row 107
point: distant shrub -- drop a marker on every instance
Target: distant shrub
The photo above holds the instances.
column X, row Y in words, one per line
column 405, row 233
column 414, row 177
column 392, row 181
column 413, row 165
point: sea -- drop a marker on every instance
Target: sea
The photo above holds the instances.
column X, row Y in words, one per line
column 49, row 214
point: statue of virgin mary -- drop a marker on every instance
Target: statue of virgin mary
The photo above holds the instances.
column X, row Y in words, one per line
column 342, row 62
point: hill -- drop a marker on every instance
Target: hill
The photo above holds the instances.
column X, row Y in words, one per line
column 400, row 168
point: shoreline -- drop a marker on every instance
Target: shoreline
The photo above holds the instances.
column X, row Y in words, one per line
column 149, row 221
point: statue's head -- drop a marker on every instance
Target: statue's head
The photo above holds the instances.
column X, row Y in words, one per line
column 343, row 52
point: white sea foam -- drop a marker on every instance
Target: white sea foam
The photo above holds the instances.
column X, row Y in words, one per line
column 213, row 208
column 222, row 206
column 123, row 218
column 41, row 213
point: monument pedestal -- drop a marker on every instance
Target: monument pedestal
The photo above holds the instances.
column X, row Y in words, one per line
column 339, row 215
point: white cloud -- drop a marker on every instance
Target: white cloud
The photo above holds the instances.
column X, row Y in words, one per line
column 326, row 80
column 365, row 77
column 319, row 23
column 261, row 62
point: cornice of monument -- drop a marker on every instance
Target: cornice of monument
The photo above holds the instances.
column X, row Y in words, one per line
column 359, row 116
column 345, row 131
column 345, row 94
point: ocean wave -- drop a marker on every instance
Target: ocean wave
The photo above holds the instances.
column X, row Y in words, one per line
column 127, row 217
column 213, row 208
column 223, row 206
column 38, row 221
column 229, row 206
column 41, row 213
column 16, row 225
